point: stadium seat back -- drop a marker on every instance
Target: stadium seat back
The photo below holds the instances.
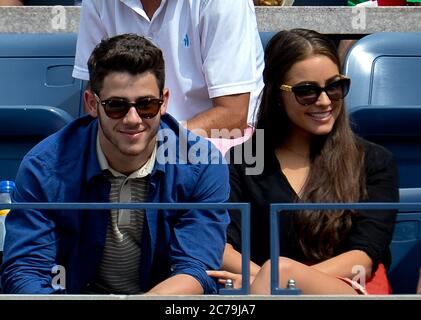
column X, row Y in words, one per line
column 406, row 246
column 265, row 36
column 36, row 69
column 23, row 127
column 384, row 101
column 384, row 69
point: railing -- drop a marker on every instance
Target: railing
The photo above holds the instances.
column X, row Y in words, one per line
column 244, row 208
column 278, row 208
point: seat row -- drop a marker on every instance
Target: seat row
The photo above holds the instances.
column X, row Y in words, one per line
column 40, row 96
column 384, row 101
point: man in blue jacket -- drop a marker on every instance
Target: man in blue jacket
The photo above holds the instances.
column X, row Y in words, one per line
column 126, row 150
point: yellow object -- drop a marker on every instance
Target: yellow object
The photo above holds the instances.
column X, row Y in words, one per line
column 274, row 2
column 4, row 212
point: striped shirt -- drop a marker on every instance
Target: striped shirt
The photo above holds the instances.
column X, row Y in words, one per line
column 120, row 266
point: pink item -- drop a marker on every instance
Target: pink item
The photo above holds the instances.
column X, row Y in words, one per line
column 224, row 145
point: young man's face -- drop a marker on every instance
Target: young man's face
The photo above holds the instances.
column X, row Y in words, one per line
column 128, row 141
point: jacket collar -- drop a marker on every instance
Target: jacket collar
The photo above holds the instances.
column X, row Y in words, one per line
column 168, row 138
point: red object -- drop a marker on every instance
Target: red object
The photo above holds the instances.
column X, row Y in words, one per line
column 379, row 283
column 382, row 3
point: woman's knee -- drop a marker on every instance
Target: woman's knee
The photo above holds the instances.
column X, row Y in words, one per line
column 285, row 266
column 261, row 284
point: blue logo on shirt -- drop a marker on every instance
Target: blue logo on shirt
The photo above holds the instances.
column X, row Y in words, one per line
column 186, row 41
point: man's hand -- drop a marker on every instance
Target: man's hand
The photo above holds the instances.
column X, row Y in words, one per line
column 223, row 276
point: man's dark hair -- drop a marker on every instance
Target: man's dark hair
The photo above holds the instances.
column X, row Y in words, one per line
column 125, row 53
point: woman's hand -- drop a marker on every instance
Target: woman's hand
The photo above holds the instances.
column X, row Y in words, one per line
column 224, row 275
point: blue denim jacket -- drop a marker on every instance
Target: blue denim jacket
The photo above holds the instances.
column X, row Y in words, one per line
column 64, row 168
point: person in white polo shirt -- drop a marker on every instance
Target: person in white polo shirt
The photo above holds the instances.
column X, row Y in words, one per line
column 212, row 50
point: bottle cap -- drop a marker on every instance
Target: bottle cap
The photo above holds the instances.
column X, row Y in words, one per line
column 6, row 186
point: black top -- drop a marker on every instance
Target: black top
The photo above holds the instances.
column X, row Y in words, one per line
column 371, row 230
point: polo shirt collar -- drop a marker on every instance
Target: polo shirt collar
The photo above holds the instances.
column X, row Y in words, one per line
column 145, row 170
column 167, row 123
column 136, row 6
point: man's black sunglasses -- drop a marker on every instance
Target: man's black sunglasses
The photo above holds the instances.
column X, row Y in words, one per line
column 308, row 93
column 146, row 108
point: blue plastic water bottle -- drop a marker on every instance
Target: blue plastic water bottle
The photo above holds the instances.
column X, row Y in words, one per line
column 6, row 188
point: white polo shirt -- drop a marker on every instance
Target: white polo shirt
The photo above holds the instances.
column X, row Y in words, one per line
column 211, row 47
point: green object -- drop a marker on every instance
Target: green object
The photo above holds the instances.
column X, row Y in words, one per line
column 355, row 2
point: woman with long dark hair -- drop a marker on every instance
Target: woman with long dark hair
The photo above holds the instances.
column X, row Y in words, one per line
column 312, row 155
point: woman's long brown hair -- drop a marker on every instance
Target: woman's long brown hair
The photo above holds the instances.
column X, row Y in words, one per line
column 336, row 160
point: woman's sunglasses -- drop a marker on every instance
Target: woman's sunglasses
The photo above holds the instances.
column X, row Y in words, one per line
column 146, row 108
column 306, row 94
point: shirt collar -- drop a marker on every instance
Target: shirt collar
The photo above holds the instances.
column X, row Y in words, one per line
column 168, row 124
column 137, row 7
column 145, row 170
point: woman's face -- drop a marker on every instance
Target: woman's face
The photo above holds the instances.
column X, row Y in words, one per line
column 319, row 117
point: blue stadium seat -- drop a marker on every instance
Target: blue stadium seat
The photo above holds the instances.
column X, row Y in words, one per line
column 265, row 36
column 406, row 246
column 23, row 127
column 385, row 69
column 384, row 101
column 396, row 127
column 36, row 69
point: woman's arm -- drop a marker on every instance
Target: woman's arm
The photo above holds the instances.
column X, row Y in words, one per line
column 348, row 264
column 232, row 261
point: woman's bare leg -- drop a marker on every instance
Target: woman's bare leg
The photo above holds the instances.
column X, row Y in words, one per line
column 307, row 279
